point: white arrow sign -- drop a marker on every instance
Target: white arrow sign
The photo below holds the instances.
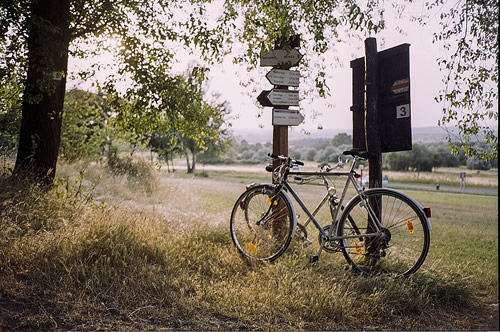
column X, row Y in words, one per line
column 280, row 57
column 283, row 97
column 287, row 117
column 283, row 77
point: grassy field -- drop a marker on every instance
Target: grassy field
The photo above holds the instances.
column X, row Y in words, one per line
column 442, row 175
column 450, row 176
column 114, row 256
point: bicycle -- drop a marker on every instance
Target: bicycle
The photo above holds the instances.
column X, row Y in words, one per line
column 379, row 230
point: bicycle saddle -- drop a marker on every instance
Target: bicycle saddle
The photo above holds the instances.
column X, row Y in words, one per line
column 362, row 154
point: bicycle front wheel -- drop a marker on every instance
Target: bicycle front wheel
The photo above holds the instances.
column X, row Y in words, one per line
column 262, row 223
column 401, row 246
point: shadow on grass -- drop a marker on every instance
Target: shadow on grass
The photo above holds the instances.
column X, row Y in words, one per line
column 117, row 269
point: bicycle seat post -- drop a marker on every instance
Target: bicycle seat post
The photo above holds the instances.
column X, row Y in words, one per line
column 354, row 162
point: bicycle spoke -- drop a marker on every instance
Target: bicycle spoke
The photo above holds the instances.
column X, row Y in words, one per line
column 261, row 227
column 402, row 244
column 379, row 231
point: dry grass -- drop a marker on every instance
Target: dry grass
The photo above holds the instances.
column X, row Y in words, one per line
column 165, row 260
column 450, row 176
column 442, row 175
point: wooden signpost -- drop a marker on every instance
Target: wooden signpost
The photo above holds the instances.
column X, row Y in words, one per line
column 282, row 58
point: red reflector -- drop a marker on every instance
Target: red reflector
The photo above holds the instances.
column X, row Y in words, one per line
column 357, row 176
column 428, row 213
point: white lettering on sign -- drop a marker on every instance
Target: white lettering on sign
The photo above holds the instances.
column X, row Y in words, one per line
column 400, row 86
column 403, row 111
column 283, row 77
column 283, row 97
column 287, row 117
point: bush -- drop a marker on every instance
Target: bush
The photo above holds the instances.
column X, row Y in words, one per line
column 419, row 159
column 138, row 172
column 295, row 155
column 342, row 140
column 32, row 209
column 330, row 154
column 201, row 174
column 311, row 153
column 478, row 164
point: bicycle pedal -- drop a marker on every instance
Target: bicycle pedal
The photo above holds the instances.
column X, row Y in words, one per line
column 307, row 243
column 313, row 258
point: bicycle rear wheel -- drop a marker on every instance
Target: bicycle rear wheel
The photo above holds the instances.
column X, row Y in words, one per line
column 404, row 243
column 261, row 223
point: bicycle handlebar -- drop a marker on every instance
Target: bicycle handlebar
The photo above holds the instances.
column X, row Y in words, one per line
column 285, row 158
column 289, row 161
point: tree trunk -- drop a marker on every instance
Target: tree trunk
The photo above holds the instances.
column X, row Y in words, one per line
column 193, row 163
column 189, row 169
column 168, row 164
column 43, row 98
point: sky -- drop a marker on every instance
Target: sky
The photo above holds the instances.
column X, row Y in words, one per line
column 334, row 111
column 425, row 77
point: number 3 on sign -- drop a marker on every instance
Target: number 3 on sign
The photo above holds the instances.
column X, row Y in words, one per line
column 403, row 111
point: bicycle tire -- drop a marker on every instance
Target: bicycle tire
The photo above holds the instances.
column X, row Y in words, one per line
column 262, row 223
column 405, row 243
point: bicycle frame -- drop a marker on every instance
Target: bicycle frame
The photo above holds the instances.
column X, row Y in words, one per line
column 378, row 230
column 351, row 179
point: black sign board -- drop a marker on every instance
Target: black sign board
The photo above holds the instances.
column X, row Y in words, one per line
column 278, row 97
column 394, row 107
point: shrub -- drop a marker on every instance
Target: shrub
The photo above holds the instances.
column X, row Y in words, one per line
column 202, row 174
column 138, row 172
column 478, row 164
column 295, row 155
column 311, row 153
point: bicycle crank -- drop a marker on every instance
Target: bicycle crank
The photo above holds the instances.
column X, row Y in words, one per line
column 328, row 246
column 302, row 234
column 386, row 238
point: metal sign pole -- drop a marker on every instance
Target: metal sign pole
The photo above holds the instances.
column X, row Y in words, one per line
column 372, row 129
column 371, row 114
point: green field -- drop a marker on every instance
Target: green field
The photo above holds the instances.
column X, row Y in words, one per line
column 164, row 259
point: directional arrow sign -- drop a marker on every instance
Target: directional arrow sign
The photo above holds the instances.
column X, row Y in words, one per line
column 262, row 98
column 280, row 57
column 287, row 117
column 283, row 77
column 278, row 97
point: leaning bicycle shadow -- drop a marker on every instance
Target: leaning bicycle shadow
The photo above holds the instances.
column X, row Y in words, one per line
column 426, row 300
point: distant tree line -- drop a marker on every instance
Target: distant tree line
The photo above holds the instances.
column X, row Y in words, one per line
column 422, row 158
column 88, row 135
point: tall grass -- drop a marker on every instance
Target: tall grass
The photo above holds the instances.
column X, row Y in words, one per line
column 165, row 259
column 449, row 176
